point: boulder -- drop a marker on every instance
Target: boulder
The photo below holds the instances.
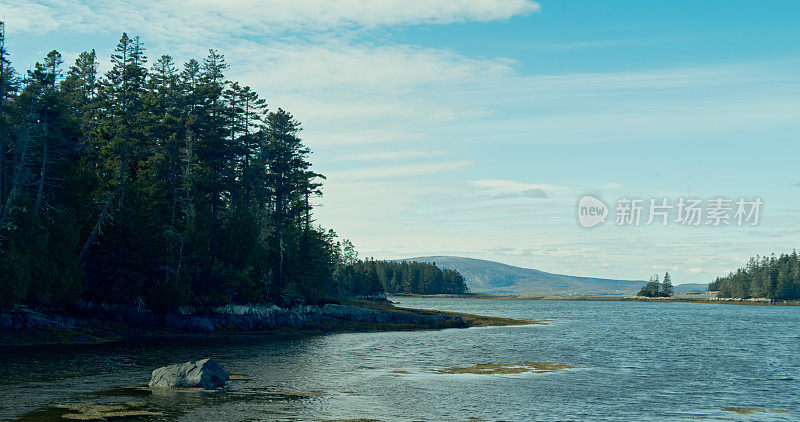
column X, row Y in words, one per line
column 204, row 373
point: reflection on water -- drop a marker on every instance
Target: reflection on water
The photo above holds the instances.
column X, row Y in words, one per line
column 635, row 361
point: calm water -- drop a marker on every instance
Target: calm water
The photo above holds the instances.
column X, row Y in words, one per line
column 639, row 361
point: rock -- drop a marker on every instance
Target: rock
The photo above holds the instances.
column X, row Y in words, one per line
column 6, row 321
column 204, row 373
column 196, row 323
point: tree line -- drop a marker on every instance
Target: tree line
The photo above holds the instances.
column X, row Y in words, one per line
column 656, row 288
column 366, row 277
column 419, row 278
column 763, row 277
column 158, row 184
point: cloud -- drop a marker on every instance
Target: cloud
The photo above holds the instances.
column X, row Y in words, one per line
column 398, row 171
column 695, row 270
column 613, row 185
column 500, row 249
column 208, row 18
column 508, row 189
column 509, row 185
column 529, row 193
column 359, row 93
column 534, row 193
column 793, row 229
column 353, row 69
column 387, row 155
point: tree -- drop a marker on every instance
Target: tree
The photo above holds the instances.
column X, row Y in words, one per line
column 417, row 278
column 163, row 187
column 46, row 76
column 652, row 288
column 7, row 89
column 666, row 286
column 766, row 277
column 290, row 184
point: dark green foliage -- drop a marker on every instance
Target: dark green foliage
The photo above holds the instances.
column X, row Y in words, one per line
column 158, row 186
column 666, row 285
column 655, row 289
column 409, row 277
column 767, row 277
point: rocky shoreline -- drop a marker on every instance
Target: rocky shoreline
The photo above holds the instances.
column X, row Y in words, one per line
column 94, row 323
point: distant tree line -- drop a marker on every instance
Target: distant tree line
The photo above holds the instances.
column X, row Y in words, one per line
column 763, row 277
column 654, row 288
column 419, row 278
column 161, row 185
column 368, row 277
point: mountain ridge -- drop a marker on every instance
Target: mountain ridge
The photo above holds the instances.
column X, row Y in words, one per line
column 484, row 276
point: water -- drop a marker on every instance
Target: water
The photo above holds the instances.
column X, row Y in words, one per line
column 638, row 361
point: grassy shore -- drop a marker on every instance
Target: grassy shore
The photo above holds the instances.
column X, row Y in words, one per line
column 470, row 320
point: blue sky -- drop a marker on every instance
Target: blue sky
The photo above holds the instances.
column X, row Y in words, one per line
column 436, row 120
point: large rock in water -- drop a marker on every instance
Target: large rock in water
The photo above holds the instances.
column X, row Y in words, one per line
column 204, row 373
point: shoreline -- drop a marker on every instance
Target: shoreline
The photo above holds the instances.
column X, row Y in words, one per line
column 35, row 328
column 685, row 298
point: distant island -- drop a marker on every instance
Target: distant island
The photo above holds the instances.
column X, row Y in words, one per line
column 654, row 288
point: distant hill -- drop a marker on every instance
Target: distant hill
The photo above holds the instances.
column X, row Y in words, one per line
column 493, row 277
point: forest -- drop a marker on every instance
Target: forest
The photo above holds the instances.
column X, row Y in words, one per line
column 404, row 277
column 763, row 277
column 161, row 185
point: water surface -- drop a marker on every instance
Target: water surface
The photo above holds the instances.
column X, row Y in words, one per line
column 637, row 361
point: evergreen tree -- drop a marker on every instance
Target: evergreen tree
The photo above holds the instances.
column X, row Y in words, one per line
column 666, row 286
column 764, row 277
column 163, row 187
column 652, row 288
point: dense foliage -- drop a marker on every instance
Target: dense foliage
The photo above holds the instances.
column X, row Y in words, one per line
column 767, row 277
column 654, row 288
column 419, row 278
column 365, row 277
column 157, row 185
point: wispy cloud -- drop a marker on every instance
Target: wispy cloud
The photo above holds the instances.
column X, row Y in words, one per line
column 793, row 229
column 508, row 189
column 253, row 17
column 500, row 185
column 399, row 171
column 387, row 155
column 612, row 185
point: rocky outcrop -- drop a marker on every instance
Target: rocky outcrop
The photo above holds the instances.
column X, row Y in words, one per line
column 377, row 297
column 204, row 373
column 229, row 318
column 24, row 317
column 352, row 313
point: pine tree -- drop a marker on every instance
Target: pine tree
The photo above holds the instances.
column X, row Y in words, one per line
column 652, row 288
column 163, row 187
column 666, row 286
column 772, row 278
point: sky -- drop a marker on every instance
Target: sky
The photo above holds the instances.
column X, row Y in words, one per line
column 472, row 128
